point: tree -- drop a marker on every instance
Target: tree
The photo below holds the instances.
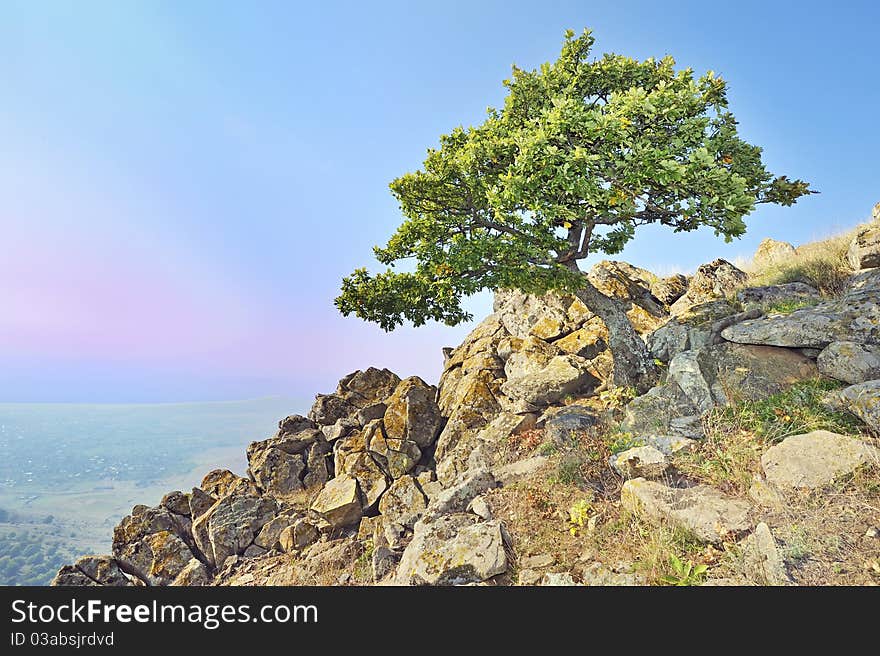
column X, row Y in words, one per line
column 582, row 153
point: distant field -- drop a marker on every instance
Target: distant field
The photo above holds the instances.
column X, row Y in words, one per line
column 69, row 472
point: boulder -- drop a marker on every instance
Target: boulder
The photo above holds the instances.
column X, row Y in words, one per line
column 669, row 290
column 275, row 471
column 761, row 297
column 692, row 329
column 481, row 449
column 563, row 375
column 193, row 574
column 586, row 342
column 268, row 537
column 154, row 560
column 199, row 503
column 864, row 250
column 850, row 362
column 710, row 515
column 176, row 502
column 560, row 424
column 772, row 252
column 298, row 535
column 403, row 503
column 231, row 525
column 92, row 570
column 862, row 400
column 853, row 317
column 339, row 502
column 330, row 408
column 412, row 413
column 640, row 462
column 294, row 424
column 712, row 281
column 456, row 498
column 220, row 482
column 815, row 459
column 369, row 387
column 453, row 550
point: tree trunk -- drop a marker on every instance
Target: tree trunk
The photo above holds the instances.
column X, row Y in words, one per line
column 633, row 365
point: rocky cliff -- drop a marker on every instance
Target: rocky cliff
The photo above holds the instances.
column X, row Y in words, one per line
column 523, row 466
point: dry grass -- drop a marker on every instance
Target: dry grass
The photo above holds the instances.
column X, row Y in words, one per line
column 821, row 264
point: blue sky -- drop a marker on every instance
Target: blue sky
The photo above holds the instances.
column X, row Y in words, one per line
column 183, row 184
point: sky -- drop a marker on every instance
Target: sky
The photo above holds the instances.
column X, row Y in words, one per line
column 183, row 185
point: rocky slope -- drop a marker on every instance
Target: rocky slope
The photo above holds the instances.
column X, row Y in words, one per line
column 396, row 481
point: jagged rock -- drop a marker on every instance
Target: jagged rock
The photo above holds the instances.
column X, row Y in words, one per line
column 231, row 525
column 268, row 537
column 557, row 579
column 711, row 281
column 177, row 502
column 403, row 503
column 319, row 464
column 862, row 400
column 367, row 414
column 480, row 507
column 193, row 574
column 668, row 290
column 413, row 413
column 339, row 502
column 368, row 387
column 762, row 561
column 345, row 426
column 854, row 317
column 586, row 342
column 524, row 315
column 366, row 471
column 457, row 497
column 199, row 503
column 277, row 472
column 759, row 297
column 864, row 250
column 138, row 554
column 294, row 424
column 482, row 449
column 652, row 413
column 627, row 283
column 300, row 534
column 563, row 375
column 690, row 330
column 814, row 459
column 563, row 423
column 850, row 362
column 91, row 570
column 330, row 408
column 383, row 562
column 598, row 574
column 453, row 550
column 707, row 513
column 771, row 251
column 169, row 555
column 641, row 461
column 220, row 482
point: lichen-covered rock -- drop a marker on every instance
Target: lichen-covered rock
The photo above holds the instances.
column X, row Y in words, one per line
column 850, row 362
column 268, row 536
column 862, row 400
column 690, row 330
column 563, row 375
column 763, row 564
column 814, row 459
column 864, row 250
column 711, row 281
column 654, row 412
column 176, row 502
column 231, row 525
column 640, row 462
column 412, row 413
column 277, row 472
column 193, row 574
column 453, row 550
column 293, row 424
column 329, row 408
column 457, row 497
column 298, row 535
column 339, row 502
column 169, row 555
column 91, row 570
column 669, row 290
column 403, row 503
column 369, row 387
column 135, row 551
column 563, row 424
column 707, row 513
column 199, row 503
column 220, row 482
column 771, row 252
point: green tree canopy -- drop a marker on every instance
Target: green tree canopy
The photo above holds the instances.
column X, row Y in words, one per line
column 583, row 152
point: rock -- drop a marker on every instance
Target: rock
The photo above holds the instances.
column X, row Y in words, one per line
column 368, row 387
column 92, row 570
column 294, row 424
column 692, row 329
column 711, row 281
column 627, row 283
column 515, row 471
column 760, row 297
column 330, row 408
column 652, row 413
column 413, row 413
column 854, row 317
column 862, row 400
column 668, row 290
column 298, row 535
column 346, row 425
column 814, row 459
column 268, row 537
column 483, row 449
column 771, row 252
column 563, row 375
column 710, row 515
column 557, row 579
column 176, row 502
column 529, row 577
column 139, row 553
column 864, row 250
column 457, row 497
column 538, row 561
column 668, row 444
column 220, row 482
column 383, row 563
column 762, row 562
column 480, row 508
column 564, row 423
column 369, row 413
column 767, row 495
column 642, row 461
column 253, row 551
column 587, row 341
column 519, row 313
column 193, row 574
column 403, row 503
column 275, row 471
column 319, row 464
column 850, row 362
column 372, row 480
column 339, row 502
column 231, row 525
column 598, row 574
column 199, row 503
column 453, row 550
